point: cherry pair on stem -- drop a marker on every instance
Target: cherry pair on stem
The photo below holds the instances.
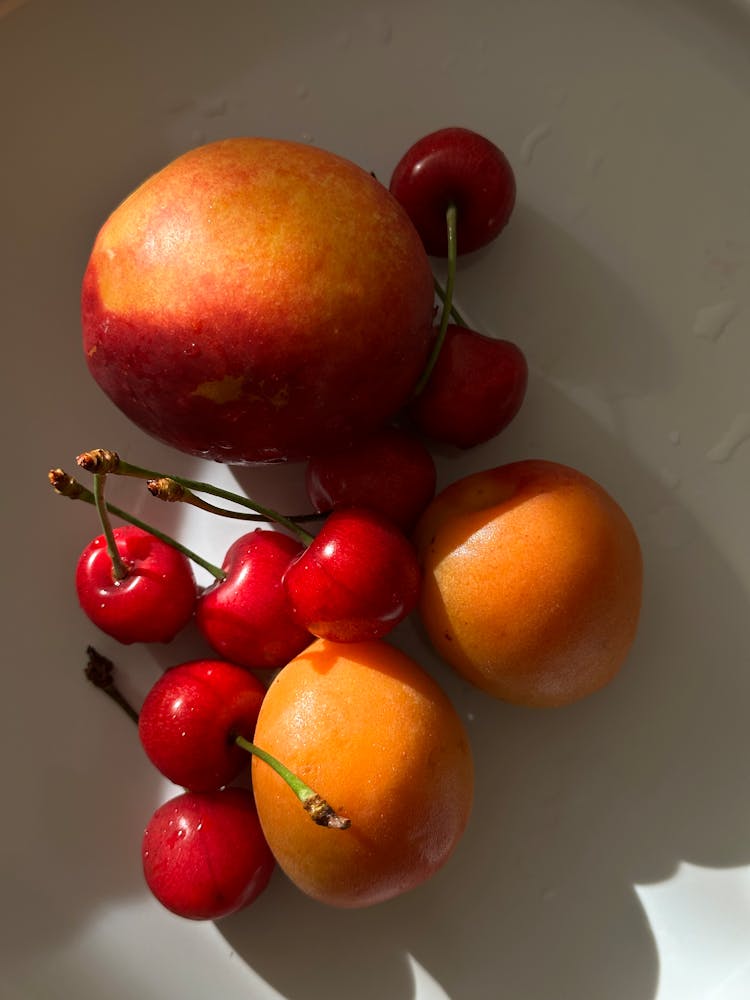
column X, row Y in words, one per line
column 203, row 851
column 459, row 190
column 355, row 580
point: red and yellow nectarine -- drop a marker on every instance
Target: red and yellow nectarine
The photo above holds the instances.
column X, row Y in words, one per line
column 257, row 300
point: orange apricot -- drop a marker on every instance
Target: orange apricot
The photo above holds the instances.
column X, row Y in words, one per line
column 372, row 733
column 532, row 582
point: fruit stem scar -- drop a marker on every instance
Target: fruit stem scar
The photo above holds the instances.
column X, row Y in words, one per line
column 318, row 809
column 103, row 460
column 119, row 569
column 66, row 486
column 450, row 220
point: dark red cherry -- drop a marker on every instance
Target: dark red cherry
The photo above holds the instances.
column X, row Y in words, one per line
column 204, row 854
column 153, row 602
column 190, row 718
column 246, row 617
column 391, row 471
column 460, row 167
column 474, row 391
column 357, row 579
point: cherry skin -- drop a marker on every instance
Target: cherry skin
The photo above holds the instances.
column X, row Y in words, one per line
column 474, row 391
column 391, row 472
column 204, row 854
column 246, row 617
column 190, row 718
column 460, row 167
column 357, row 580
column 152, row 603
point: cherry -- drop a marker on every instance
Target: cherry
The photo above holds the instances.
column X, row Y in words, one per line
column 475, row 389
column 246, row 617
column 150, row 599
column 191, row 717
column 455, row 166
column 204, row 854
column 391, row 472
column 356, row 580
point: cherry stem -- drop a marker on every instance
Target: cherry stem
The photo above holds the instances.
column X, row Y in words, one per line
column 66, row 486
column 171, row 491
column 119, row 569
column 101, row 672
column 454, row 311
column 103, row 460
column 317, row 807
column 450, row 220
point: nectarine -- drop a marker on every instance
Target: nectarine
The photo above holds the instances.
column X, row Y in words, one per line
column 378, row 739
column 257, row 300
column 532, row 582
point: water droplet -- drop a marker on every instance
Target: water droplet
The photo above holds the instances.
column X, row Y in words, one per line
column 470, row 716
column 302, row 93
column 198, row 136
column 737, row 432
column 674, row 437
column 711, row 321
column 307, row 137
column 532, row 140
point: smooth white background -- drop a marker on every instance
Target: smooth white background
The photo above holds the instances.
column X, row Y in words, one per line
column 607, row 855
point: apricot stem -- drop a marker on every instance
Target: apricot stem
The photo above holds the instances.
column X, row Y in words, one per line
column 66, row 486
column 450, row 220
column 119, row 569
column 317, row 807
column 103, row 460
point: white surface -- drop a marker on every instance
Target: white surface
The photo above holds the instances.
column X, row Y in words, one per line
column 608, row 852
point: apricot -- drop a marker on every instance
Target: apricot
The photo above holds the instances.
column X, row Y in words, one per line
column 370, row 731
column 532, row 582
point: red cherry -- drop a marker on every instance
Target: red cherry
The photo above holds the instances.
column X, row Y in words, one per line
column 474, row 391
column 460, row 167
column 246, row 617
column 152, row 603
column 204, row 854
column 190, row 718
column 357, row 579
column 391, row 472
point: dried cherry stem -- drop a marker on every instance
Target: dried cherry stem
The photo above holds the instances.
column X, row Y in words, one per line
column 101, row 673
column 103, row 460
column 119, row 569
column 66, row 486
column 317, row 807
column 450, row 220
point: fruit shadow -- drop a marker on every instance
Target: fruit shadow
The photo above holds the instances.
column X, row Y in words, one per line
column 575, row 808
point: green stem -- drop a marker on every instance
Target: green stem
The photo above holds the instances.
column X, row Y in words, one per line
column 317, row 807
column 119, row 569
column 109, row 461
column 440, row 291
column 67, row 486
column 171, row 491
column 450, row 219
